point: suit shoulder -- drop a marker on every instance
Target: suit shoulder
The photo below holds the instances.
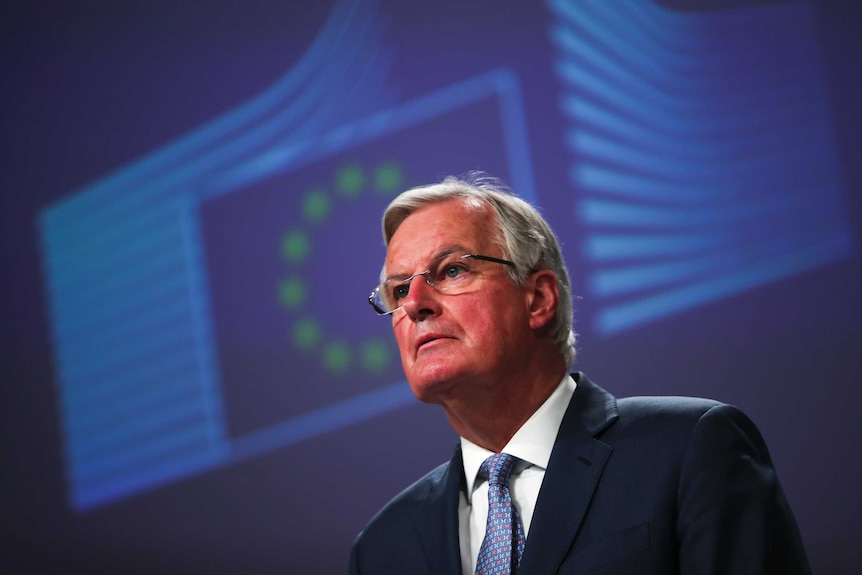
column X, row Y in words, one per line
column 663, row 417
column 666, row 407
column 399, row 510
column 678, row 417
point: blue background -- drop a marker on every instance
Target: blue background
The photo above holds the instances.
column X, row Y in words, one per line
column 191, row 192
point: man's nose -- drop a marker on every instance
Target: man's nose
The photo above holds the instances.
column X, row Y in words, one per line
column 422, row 299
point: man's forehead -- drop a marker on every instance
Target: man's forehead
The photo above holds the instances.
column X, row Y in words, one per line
column 432, row 230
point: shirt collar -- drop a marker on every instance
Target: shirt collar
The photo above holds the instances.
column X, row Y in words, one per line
column 532, row 443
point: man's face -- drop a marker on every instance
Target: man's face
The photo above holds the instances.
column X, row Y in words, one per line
column 455, row 344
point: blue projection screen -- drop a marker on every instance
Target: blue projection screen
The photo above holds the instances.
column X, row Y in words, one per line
column 699, row 177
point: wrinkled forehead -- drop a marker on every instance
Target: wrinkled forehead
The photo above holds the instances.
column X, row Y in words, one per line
column 439, row 229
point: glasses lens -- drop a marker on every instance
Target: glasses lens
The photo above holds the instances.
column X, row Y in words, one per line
column 451, row 273
column 378, row 302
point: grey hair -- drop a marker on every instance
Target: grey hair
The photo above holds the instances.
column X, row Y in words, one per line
column 522, row 233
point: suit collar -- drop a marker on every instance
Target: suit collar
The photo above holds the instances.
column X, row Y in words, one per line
column 576, row 464
column 592, row 405
column 532, row 443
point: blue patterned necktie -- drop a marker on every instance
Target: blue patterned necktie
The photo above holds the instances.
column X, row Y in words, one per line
column 500, row 552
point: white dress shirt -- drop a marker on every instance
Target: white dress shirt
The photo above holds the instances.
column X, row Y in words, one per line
column 532, row 444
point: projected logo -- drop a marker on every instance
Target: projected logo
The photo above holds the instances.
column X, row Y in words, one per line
column 295, row 290
column 208, row 302
column 702, row 152
column 291, row 260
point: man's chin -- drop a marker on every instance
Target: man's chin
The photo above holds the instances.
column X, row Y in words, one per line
column 430, row 388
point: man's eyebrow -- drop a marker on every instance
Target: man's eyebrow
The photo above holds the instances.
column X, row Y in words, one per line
column 448, row 250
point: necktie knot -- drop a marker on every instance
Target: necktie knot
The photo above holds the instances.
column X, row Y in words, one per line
column 497, row 468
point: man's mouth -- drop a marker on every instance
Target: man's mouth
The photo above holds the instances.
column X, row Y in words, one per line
column 428, row 338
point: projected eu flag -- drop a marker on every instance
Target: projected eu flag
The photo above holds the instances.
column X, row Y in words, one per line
column 207, row 301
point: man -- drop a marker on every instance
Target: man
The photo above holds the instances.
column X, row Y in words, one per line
column 576, row 480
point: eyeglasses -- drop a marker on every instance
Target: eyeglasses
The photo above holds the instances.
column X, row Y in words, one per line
column 451, row 273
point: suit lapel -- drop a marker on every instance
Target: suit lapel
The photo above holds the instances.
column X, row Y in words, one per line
column 436, row 521
column 573, row 473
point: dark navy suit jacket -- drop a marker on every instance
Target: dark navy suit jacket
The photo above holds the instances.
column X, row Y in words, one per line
column 643, row 485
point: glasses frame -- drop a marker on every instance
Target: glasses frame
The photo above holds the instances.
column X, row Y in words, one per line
column 408, row 280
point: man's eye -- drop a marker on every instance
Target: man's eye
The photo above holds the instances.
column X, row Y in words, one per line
column 400, row 291
column 452, row 272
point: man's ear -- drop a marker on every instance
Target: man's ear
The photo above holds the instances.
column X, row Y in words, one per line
column 544, row 298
